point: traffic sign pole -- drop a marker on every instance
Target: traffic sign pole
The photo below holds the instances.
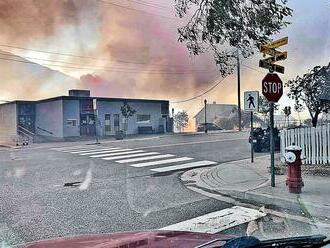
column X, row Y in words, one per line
column 252, row 138
column 272, row 88
column 272, row 152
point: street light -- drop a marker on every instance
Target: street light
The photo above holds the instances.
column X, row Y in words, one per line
column 205, row 126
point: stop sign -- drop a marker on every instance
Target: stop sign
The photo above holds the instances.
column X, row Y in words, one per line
column 272, row 87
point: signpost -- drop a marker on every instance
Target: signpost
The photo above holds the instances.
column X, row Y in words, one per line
column 263, row 63
column 272, row 87
column 269, row 49
column 251, row 104
column 276, row 43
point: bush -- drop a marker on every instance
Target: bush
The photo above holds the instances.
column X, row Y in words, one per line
column 225, row 123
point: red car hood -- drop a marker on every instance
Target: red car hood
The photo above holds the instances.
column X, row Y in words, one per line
column 148, row 239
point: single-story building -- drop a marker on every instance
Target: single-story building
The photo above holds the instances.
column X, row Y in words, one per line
column 214, row 111
column 75, row 115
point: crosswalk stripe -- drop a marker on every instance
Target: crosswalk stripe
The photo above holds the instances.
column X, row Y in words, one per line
column 84, row 149
column 131, row 156
column 93, row 150
column 122, row 152
column 105, row 151
column 217, row 221
column 158, row 162
column 144, row 158
column 184, row 166
column 67, row 148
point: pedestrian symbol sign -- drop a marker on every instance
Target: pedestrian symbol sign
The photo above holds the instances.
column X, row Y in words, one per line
column 251, row 101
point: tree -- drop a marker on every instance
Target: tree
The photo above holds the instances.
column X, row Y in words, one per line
column 306, row 91
column 246, row 119
column 230, row 122
column 287, row 113
column 264, row 107
column 220, row 25
column 225, row 123
column 127, row 111
column 181, row 120
column 308, row 122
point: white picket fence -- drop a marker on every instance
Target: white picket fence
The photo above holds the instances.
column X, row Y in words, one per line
column 315, row 143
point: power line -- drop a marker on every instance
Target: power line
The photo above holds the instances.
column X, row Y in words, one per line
column 104, row 67
column 261, row 72
column 203, row 93
column 249, row 67
column 89, row 68
column 133, row 9
column 81, row 56
column 149, row 4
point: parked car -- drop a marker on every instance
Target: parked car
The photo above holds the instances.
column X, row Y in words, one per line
column 261, row 139
column 209, row 127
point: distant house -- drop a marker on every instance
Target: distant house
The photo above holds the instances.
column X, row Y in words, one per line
column 214, row 111
column 282, row 121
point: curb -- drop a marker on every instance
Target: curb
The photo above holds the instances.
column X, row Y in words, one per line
column 210, row 132
column 272, row 202
column 309, row 209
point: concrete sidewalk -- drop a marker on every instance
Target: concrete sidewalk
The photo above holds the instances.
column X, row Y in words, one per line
column 250, row 183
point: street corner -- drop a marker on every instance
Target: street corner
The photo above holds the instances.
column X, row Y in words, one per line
column 191, row 176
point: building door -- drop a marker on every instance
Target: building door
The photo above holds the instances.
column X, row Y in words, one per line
column 116, row 122
column 26, row 117
column 26, row 122
column 107, row 124
column 87, row 124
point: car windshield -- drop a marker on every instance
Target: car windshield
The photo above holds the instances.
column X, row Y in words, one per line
column 163, row 121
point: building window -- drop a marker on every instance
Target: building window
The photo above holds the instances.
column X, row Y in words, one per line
column 143, row 118
column 164, row 108
column 107, row 122
column 71, row 122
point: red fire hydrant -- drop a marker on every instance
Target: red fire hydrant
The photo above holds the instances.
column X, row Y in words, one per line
column 293, row 159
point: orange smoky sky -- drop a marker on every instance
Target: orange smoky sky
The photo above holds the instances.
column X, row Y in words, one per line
column 120, row 51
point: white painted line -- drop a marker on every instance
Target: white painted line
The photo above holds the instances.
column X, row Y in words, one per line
column 93, row 150
column 122, row 152
column 217, row 221
column 144, row 158
column 105, row 151
column 158, row 162
column 184, row 166
column 83, row 149
column 131, row 155
column 192, row 143
column 73, row 147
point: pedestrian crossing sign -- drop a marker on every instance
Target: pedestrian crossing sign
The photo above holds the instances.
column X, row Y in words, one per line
column 251, row 101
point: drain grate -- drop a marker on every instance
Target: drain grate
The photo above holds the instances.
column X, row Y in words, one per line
column 72, row 184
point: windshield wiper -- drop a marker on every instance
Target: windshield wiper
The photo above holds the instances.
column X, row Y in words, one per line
column 252, row 242
column 302, row 241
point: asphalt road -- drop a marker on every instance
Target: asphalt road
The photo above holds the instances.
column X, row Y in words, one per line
column 35, row 204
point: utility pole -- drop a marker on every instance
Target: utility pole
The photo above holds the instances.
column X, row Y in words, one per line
column 239, row 93
column 205, row 126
